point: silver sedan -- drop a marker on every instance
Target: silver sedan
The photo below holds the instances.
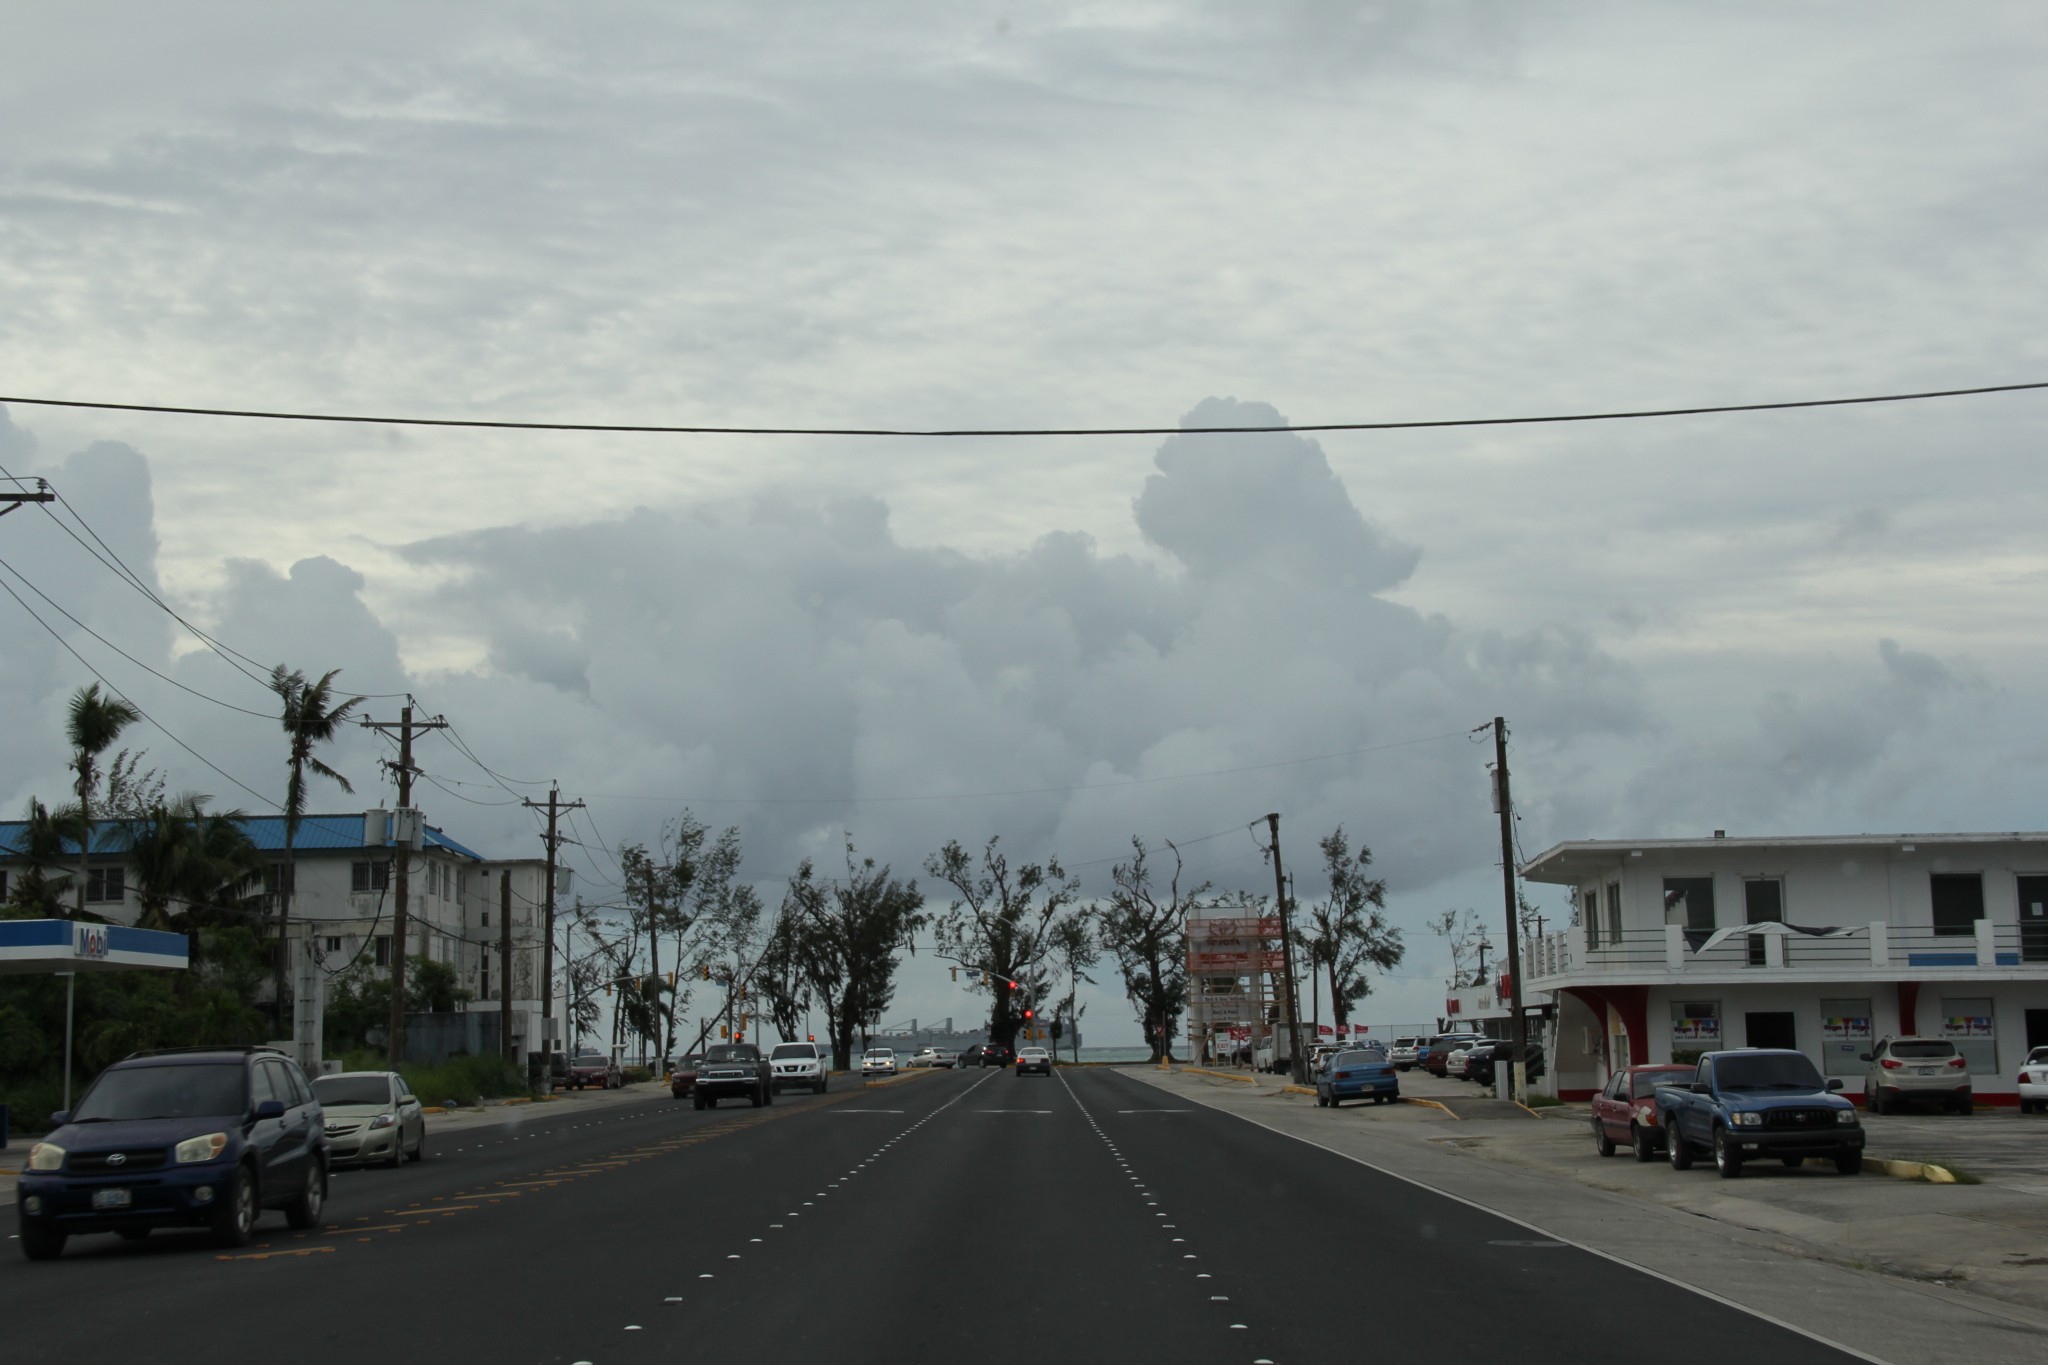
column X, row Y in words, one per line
column 372, row 1116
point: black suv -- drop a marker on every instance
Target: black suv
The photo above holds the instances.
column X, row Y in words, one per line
column 987, row 1054
column 191, row 1136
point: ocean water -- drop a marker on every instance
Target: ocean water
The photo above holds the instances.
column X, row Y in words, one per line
column 1112, row 1054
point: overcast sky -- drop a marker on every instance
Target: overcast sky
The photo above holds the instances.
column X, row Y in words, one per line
column 997, row 216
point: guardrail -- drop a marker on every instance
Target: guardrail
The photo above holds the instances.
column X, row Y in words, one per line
column 1877, row 946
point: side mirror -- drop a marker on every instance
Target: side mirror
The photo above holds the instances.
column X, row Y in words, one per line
column 1700, row 1088
column 1862, row 1056
column 1834, row 1083
column 269, row 1109
column 59, row 1118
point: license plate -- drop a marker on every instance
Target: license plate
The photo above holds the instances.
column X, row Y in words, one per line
column 110, row 1199
column 1926, row 1071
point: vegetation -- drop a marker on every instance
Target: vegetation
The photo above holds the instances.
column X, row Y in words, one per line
column 1144, row 926
column 1348, row 933
column 310, row 717
column 1017, row 925
column 848, row 934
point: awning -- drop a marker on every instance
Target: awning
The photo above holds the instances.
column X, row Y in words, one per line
column 1701, row 942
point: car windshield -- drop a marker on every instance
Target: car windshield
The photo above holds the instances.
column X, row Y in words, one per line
column 203, row 1090
column 783, row 1050
column 1935, row 1048
column 1771, row 1071
column 352, row 1090
column 1645, row 1084
column 879, row 1052
column 2036, row 1057
column 593, row 1061
column 733, row 1052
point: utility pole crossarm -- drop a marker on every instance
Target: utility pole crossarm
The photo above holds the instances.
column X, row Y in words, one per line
column 554, row 806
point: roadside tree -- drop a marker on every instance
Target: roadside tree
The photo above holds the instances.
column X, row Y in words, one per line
column 849, row 932
column 1012, row 922
column 1144, row 926
column 1348, row 935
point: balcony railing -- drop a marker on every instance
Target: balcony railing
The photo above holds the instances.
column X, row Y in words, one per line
column 1865, row 948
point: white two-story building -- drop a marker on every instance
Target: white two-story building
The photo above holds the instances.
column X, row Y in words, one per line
column 1827, row 944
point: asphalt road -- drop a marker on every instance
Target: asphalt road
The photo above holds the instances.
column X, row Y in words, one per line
column 948, row 1217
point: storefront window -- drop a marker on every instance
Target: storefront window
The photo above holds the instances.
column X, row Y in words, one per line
column 1695, row 1029
column 1844, row 1036
column 1969, row 1023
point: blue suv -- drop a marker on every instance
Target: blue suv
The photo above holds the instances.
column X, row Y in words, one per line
column 192, row 1136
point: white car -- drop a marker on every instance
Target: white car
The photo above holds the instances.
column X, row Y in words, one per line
column 1403, row 1054
column 926, row 1056
column 2034, row 1081
column 1034, row 1059
column 1454, row 1065
column 878, row 1061
column 797, row 1066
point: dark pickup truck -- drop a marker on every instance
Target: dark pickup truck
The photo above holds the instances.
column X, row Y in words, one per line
column 1756, row 1104
column 732, row 1069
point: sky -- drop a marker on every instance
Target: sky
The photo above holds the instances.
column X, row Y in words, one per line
column 989, row 216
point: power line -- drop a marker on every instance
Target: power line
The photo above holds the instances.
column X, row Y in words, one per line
column 646, row 429
column 1021, row 791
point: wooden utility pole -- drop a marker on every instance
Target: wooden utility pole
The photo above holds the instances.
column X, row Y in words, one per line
column 554, row 807
column 394, row 1043
column 1295, row 1064
column 1507, row 882
column 505, row 967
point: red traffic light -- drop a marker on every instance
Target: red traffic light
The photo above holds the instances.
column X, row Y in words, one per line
column 1028, row 1015
column 1013, row 985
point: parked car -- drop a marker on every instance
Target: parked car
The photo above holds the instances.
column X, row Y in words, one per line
column 1434, row 1056
column 1402, row 1054
column 205, row 1136
column 682, row 1079
column 878, row 1061
column 797, row 1065
column 1356, row 1074
column 1916, row 1071
column 1625, row 1112
column 1457, row 1057
column 2033, row 1081
column 1483, row 1063
column 733, row 1069
column 1757, row 1103
column 1034, row 1059
column 594, row 1069
column 372, row 1116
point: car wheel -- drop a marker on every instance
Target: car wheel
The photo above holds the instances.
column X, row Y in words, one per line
column 419, row 1149
column 1873, row 1102
column 1849, row 1163
column 235, row 1216
column 1641, row 1143
column 40, row 1241
column 1602, row 1143
column 1727, row 1160
column 304, row 1212
column 1793, row 1163
column 1675, row 1148
column 390, row 1163
column 1963, row 1104
column 1322, row 1103
column 698, row 1096
column 756, row 1099
column 821, row 1085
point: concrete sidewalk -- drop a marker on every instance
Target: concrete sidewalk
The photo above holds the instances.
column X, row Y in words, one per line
column 1866, row 1261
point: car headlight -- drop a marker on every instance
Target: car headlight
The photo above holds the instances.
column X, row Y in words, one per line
column 46, row 1156
column 1847, row 1116
column 204, row 1148
column 1746, row 1120
column 383, row 1120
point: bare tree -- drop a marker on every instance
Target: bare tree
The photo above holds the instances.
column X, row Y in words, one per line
column 848, row 933
column 1144, row 926
column 1009, row 922
column 1462, row 933
column 1348, row 934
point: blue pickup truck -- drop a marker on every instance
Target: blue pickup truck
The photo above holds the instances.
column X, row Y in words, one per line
column 1756, row 1104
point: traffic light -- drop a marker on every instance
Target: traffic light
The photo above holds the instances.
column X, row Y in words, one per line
column 1013, row 985
column 1029, row 1014
column 671, row 979
column 707, row 970
column 955, row 971
column 607, row 988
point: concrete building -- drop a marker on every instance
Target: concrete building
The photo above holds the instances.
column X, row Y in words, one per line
column 1684, row 946
column 345, row 902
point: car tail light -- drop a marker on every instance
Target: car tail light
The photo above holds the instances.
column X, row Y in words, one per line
column 1957, row 1062
column 1890, row 1065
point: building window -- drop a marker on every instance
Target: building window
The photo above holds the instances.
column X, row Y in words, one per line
column 364, row 877
column 383, row 950
column 1590, row 916
column 1970, row 1022
column 1614, row 911
column 333, row 944
column 487, row 919
column 106, row 883
column 1958, row 902
column 1689, row 902
column 3, row 884
column 1763, row 902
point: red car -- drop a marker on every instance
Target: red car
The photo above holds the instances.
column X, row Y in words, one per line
column 601, row 1072
column 1625, row 1113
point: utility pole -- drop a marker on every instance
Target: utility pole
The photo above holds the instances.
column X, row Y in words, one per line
column 505, row 966
column 555, row 806
column 402, row 826
column 16, row 498
column 1507, row 883
column 1295, row 1064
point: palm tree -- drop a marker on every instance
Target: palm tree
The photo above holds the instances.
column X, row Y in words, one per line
column 190, row 866
column 310, row 717
column 95, row 723
column 42, row 846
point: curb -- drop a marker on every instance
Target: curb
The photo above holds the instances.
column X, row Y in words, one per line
column 1292, row 1089
column 1219, row 1075
column 1428, row 1104
column 1913, row 1170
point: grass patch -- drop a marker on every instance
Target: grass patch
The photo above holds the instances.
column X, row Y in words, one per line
column 1542, row 1101
column 467, row 1080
